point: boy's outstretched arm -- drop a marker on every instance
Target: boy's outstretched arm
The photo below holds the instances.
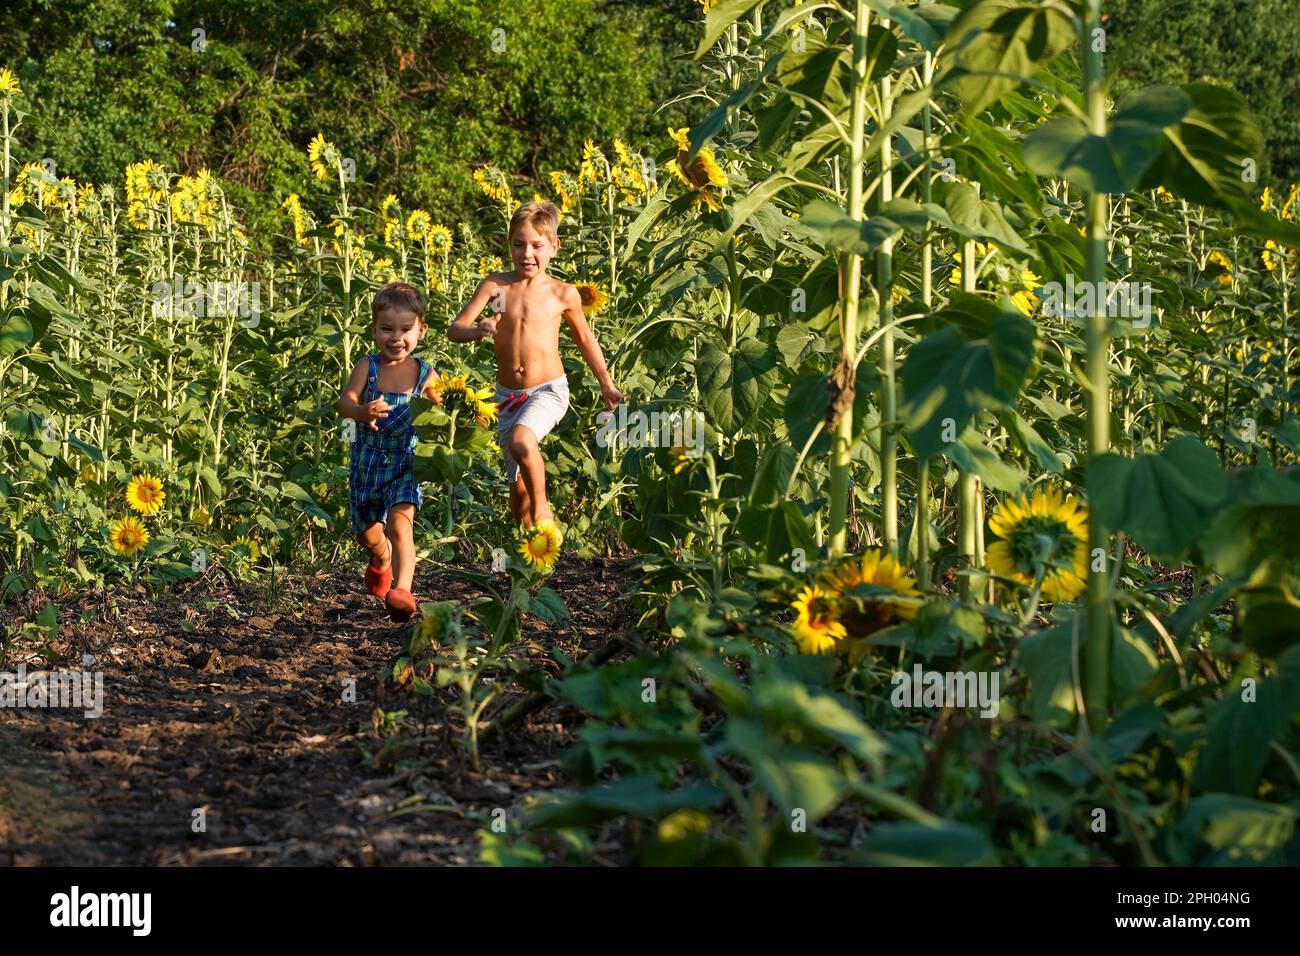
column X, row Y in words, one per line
column 589, row 347
column 463, row 327
column 349, row 403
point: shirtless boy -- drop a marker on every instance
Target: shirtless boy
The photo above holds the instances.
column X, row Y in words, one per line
column 532, row 392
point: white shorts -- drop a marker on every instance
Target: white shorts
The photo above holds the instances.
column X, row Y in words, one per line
column 539, row 408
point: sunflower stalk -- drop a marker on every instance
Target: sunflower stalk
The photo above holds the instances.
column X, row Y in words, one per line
column 1096, row 669
column 851, row 281
column 885, row 313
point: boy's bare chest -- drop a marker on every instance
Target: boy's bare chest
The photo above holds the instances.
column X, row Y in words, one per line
column 534, row 314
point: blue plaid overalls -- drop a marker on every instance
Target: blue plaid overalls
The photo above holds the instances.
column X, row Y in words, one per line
column 381, row 469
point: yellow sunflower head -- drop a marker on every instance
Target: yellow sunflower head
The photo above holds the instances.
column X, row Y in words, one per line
column 322, row 155
column 127, row 536
column 1042, row 534
column 593, row 296
column 246, row 547
column 1219, row 259
column 485, row 413
column 418, row 224
column 701, row 174
column 872, row 592
column 816, row 628
column 145, row 494
column 541, row 547
column 439, row 239
column 8, row 84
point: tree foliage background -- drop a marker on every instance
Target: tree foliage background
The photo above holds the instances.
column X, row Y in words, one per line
column 413, row 90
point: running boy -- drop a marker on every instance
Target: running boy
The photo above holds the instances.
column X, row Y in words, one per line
column 384, row 493
column 532, row 392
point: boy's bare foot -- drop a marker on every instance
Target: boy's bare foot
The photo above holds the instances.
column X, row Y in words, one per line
column 401, row 604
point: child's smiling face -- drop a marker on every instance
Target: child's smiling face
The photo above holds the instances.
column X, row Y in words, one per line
column 397, row 332
column 531, row 251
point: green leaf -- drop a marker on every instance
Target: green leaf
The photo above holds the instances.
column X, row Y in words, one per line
column 638, row 796
column 785, row 702
column 734, row 385
column 1004, row 37
column 982, row 219
column 1113, row 163
column 1238, row 742
column 794, row 777
column 1046, row 658
column 1239, row 832
column 15, row 334
column 1162, row 501
column 305, row 501
column 549, row 606
column 948, row 377
column 915, row 844
column 908, row 20
column 721, row 16
column 1203, row 156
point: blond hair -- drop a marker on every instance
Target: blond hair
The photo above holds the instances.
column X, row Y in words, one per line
column 542, row 216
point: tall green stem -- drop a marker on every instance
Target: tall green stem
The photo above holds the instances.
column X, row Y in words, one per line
column 1096, row 669
column 968, row 493
column 885, row 292
column 851, row 280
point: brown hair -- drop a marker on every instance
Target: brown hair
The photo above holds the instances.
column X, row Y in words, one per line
column 542, row 216
column 398, row 295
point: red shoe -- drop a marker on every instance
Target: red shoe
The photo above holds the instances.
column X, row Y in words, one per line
column 401, row 604
column 379, row 581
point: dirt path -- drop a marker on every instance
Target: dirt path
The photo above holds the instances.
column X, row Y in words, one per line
column 223, row 704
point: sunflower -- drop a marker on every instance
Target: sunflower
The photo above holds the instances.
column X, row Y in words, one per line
column 702, row 174
column 1222, row 261
column 251, row 548
column 680, row 458
column 541, row 548
column 294, row 206
column 816, row 629
column 1025, row 299
column 145, row 494
column 863, row 615
column 485, row 413
column 1043, row 533
column 489, row 264
column 1269, row 256
column 1265, row 197
column 127, row 536
column 492, row 183
column 321, row 155
column 981, row 250
column 439, row 239
column 564, row 188
column 1164, row 195
column 1286, row 211
column 418, row 224
column 588, row 170
column 8, row 84
column 594, row 298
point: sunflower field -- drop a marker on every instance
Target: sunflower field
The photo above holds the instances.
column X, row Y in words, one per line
column 982, row 555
